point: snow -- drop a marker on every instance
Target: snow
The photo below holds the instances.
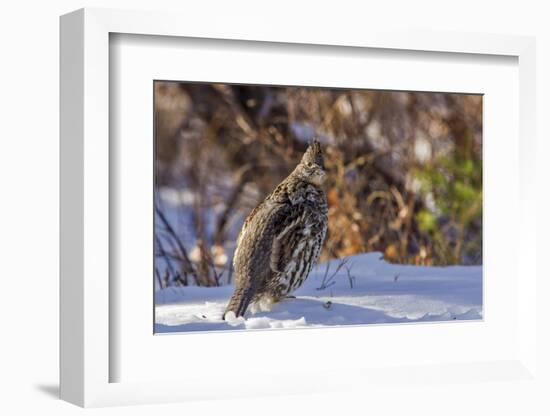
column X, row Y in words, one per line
column 366, row 290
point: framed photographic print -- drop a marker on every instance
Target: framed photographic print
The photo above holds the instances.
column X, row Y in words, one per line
column 383, row 187
column 323, row 202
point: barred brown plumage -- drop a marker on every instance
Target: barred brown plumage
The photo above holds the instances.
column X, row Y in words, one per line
column 282, row 237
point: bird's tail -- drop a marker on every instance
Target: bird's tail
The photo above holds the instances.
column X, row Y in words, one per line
column 239, row 301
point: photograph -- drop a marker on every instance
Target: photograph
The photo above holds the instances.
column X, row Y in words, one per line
column 280, row 207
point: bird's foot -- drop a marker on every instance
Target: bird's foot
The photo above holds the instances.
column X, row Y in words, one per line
column 264, row 304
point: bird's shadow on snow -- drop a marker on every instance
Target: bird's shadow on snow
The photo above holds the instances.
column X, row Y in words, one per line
column 289, row 313
column 321, row 312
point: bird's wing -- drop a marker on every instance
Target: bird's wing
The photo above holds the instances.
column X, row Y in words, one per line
column 287, row 241
column 255, row 241
column 244, row 229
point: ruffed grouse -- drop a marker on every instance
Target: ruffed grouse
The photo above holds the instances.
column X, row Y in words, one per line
column 282, row 237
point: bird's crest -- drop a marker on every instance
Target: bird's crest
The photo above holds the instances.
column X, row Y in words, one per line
column 314, row 154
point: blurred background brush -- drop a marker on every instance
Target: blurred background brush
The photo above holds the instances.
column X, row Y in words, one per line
column 405, row 172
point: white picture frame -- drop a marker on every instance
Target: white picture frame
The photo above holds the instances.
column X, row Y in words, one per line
column 86, row 356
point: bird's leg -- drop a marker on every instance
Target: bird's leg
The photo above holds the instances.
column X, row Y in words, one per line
column 266, row 303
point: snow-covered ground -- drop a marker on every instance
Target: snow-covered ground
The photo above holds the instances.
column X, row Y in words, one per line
column 366, row 290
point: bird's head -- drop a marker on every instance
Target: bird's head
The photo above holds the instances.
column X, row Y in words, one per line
column 312, row 166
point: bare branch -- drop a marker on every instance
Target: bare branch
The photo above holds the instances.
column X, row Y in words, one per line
column 187, row 265
column 329, row 281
